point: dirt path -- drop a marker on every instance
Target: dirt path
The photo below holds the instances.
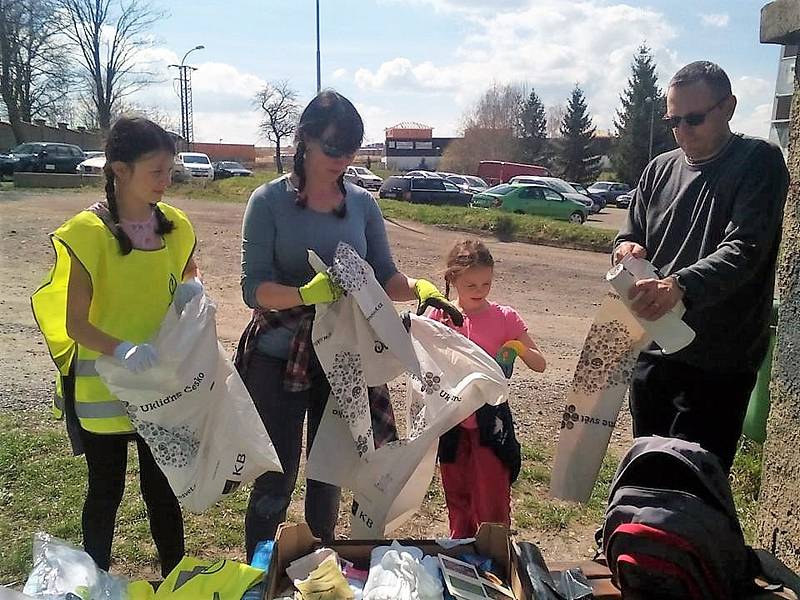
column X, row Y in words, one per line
column 556, row 291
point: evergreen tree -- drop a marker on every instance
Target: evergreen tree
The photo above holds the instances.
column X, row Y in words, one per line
column 642, row 101
column 575, row 159
column 533, row 125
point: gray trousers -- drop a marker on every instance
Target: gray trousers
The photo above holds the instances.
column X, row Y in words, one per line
column 283, row 414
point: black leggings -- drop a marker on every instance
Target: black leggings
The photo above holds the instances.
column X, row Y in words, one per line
column 107, row 457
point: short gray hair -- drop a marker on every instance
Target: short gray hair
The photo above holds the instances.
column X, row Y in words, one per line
column 704, row 70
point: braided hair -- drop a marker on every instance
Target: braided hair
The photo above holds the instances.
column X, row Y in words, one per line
column 131, row 138
column 332, row 119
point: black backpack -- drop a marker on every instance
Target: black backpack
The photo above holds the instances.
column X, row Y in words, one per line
column 671, row 529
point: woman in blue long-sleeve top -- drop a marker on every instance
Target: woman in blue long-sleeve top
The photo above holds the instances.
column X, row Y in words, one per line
column 312, row 208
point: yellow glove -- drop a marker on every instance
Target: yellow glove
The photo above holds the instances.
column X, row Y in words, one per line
column 429, row 295
column 320, row 290
column 507, row 354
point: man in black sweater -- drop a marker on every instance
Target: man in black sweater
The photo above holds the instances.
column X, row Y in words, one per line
column 708, row 216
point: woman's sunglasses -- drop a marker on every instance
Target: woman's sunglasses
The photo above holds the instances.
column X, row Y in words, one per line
column 692, row 119
column 334, row 152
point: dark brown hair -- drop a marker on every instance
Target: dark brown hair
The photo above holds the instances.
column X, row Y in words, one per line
column 333, row 117
column 129, row 140
column 703, row 70
column 465, row 254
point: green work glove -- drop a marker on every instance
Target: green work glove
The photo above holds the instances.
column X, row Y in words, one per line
column 507, row 354
column 429, row 295
column 320, row 290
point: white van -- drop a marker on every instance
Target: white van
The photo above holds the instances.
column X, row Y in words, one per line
column 197, row 164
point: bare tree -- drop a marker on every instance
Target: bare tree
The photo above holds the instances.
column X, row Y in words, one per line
column 555, row 116
column 155, row 113
column 108, row 35
column 281, row 111
column 35, row 71
column 499, row 108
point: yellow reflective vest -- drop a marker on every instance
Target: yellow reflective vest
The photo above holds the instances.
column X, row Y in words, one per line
column 194, row 579
column 130, row 296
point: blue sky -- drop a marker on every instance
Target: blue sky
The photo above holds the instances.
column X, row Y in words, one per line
column 428, row 60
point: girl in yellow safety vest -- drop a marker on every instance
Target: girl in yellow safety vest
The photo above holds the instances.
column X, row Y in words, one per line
column 119, row 266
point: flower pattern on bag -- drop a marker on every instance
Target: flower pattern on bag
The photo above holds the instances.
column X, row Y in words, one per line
column 430, row 383
column 607, row 358
column 349, row 387
column 348, row 270
column 174, row 447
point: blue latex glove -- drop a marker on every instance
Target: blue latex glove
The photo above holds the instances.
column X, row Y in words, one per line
column 136, row 358
column 185, row 292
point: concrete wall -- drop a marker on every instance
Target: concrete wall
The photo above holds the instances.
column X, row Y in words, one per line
column 86, row 139
column 779, row 502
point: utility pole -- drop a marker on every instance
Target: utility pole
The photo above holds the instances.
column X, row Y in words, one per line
column 779, row 501
column 187, row 113
column 652, row 115
column 319, row 78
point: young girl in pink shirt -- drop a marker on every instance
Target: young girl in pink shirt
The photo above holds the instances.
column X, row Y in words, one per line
column 480, row 458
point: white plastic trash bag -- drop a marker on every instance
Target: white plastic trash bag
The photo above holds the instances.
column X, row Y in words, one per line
column 389, row 483
column 603, row 375
column 194, row 411
column 601, row 379
column 62, row 571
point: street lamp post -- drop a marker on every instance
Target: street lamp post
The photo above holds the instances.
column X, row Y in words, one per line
column 319, row 78
column 185, row 80
column 652, row 115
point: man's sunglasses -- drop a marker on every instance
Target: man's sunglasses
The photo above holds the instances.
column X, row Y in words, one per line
column 692, row 119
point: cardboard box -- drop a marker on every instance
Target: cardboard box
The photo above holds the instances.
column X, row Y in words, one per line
column 295, row 540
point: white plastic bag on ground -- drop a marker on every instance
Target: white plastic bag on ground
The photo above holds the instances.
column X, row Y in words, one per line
column 449, row 377
column 60, row 569
column 194, row 411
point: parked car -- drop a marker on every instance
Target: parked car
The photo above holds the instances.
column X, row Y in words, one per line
column 93, row 153
column 561, row 187
column 429, row 174
column 197, row 164
column 467, row 183
column 423, row 190
column 6, row 166
column 610, row 190
column 496, row 171
column 94, row 166
column 228, row 168
column 46, row 157
column 532, row 200
column 363, row 177
column 624, row 200
column 582, row 189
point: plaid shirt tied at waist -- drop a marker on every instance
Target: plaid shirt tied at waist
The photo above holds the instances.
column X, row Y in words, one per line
column 297, row 377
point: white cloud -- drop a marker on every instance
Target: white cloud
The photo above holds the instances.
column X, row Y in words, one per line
column 339, row 74
column 375, row 121
column 234, row 127
column 549, row 43
column 715, row 19
column 221, row 97
column 755, row 122
column 754, row 109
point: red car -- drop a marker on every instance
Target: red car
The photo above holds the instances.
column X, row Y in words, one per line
column 496, row 171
